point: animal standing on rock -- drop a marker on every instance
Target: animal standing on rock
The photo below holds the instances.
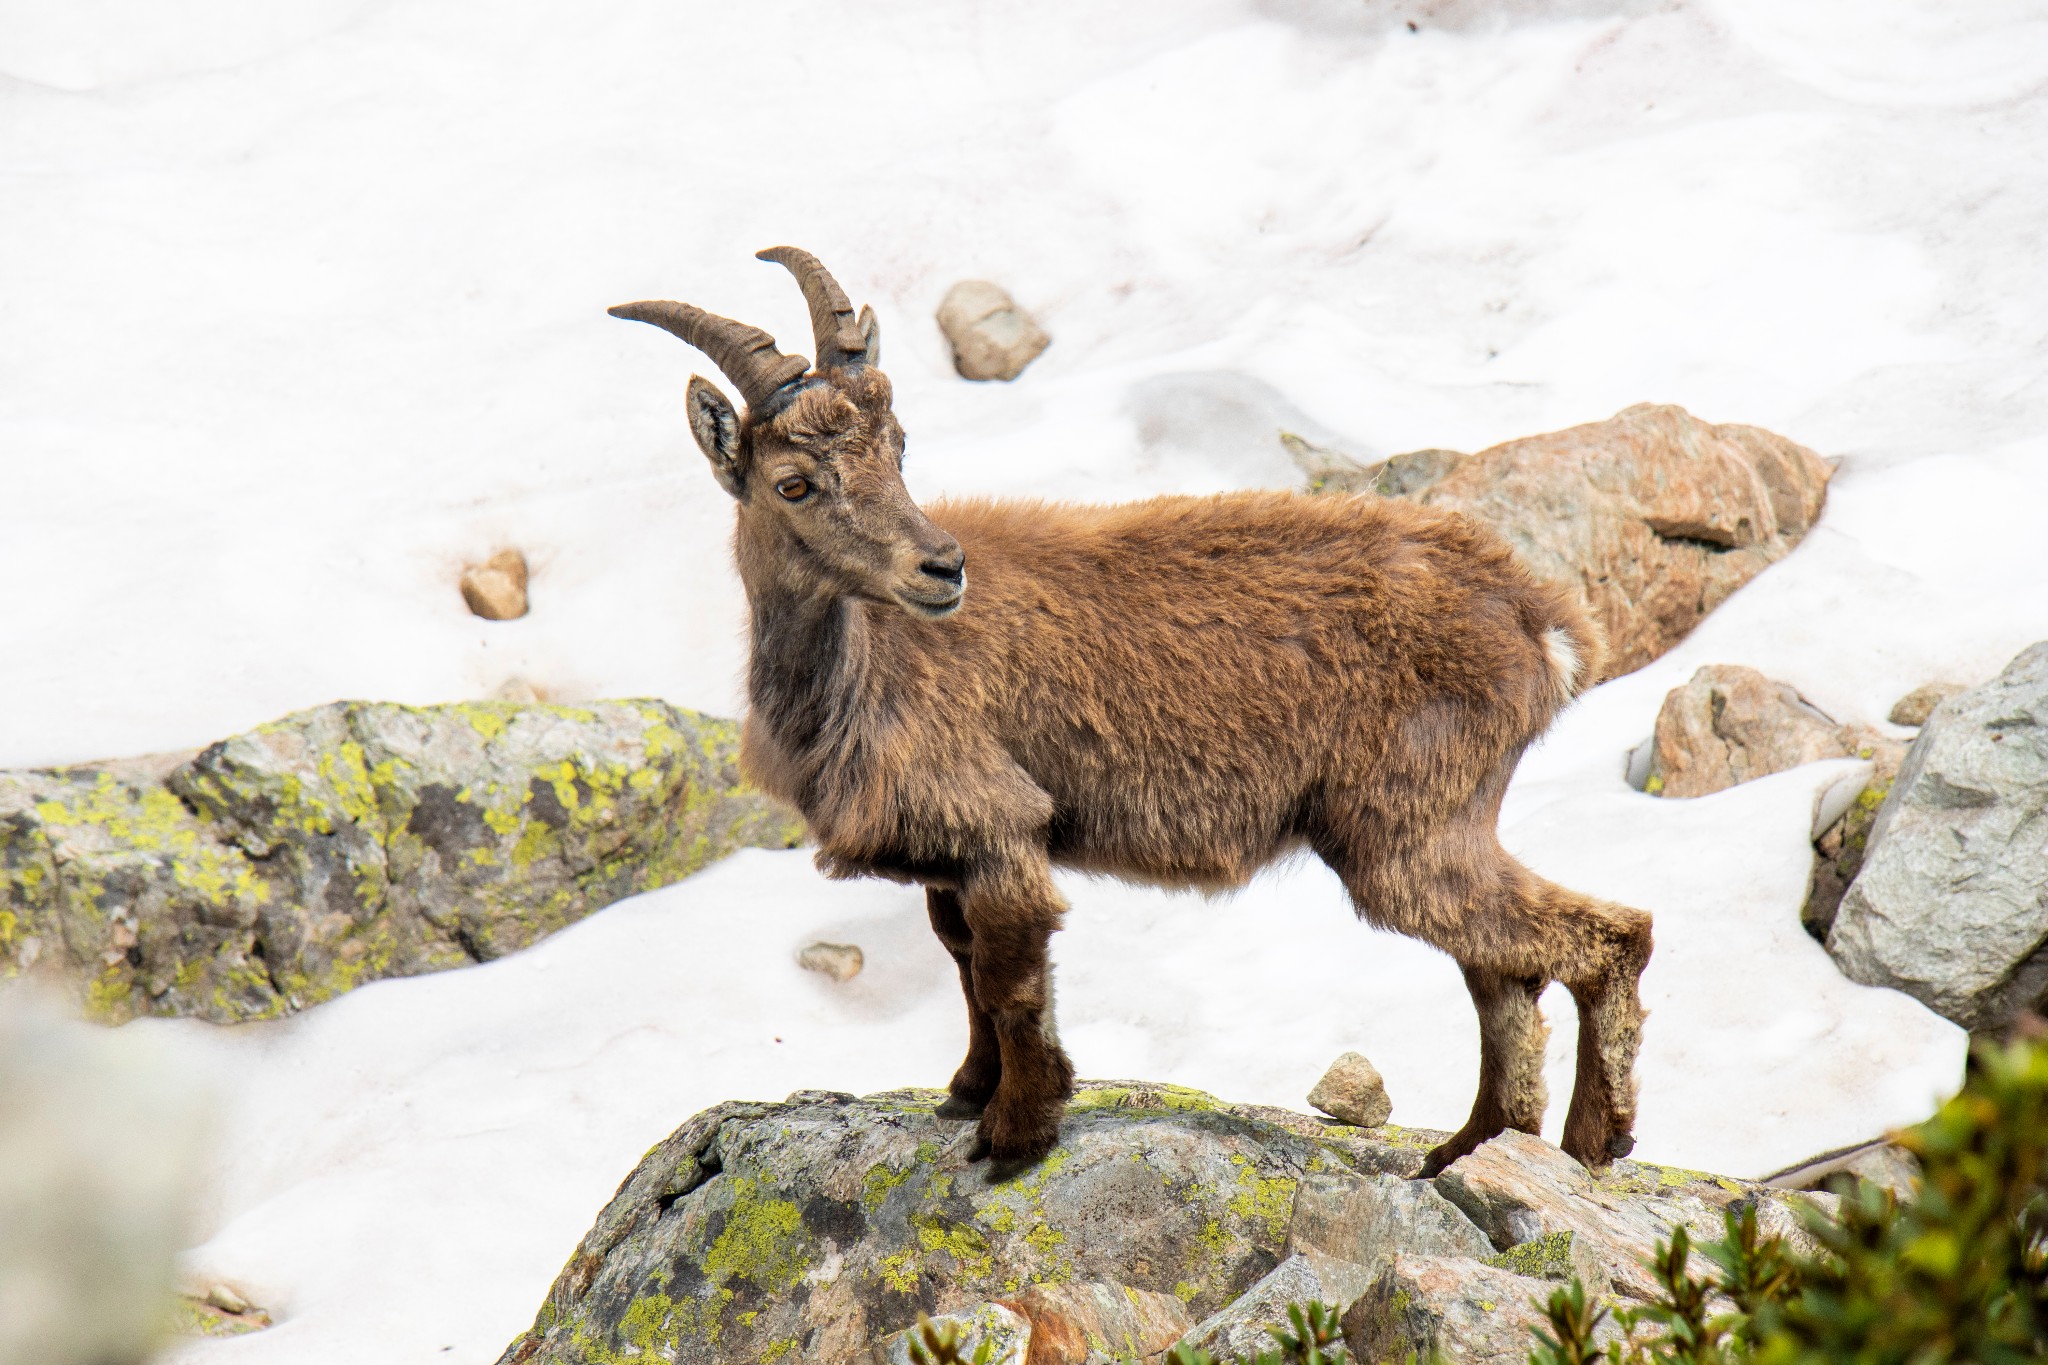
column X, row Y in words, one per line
column 1177, row 691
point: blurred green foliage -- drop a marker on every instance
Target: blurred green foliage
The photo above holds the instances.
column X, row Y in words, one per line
column 1953, row 1274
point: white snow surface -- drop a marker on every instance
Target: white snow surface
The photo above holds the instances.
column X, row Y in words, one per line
column 305, row 309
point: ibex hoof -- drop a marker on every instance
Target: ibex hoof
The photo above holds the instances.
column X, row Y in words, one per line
column 954, row 1107
column 1620, row 1146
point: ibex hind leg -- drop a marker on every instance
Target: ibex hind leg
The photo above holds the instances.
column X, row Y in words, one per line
column 974, row 1084
column 1511, row 1043
column 1600, row 1125
column 1512, row 933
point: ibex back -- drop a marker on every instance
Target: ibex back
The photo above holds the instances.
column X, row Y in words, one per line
column 1177, row 691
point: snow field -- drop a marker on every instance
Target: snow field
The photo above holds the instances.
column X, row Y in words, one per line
column 305, row 308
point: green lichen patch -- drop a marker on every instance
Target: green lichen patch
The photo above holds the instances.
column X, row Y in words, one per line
column 1548, row 1257
column 286, row 865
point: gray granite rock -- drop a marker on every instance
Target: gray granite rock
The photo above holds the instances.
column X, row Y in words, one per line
column 1951, row 902
column 1366, row 1218
column 1244, row 1327
column 1434, row 1307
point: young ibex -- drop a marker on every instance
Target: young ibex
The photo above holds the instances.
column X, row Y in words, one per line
column 1178, row 691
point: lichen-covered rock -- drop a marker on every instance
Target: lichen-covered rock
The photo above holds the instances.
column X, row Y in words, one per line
column 1352, row 1090
column 355, row 841
column 1652, row 517
column 1519, row 1189
column 1951, row 904
column 1433, row 1307
column 811, row 1229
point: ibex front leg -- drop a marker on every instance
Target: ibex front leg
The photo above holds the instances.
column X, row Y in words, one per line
column 1011, row 910
column 974, row 1084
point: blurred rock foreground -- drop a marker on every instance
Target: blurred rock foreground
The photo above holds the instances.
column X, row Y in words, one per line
column 101, row 1144
column 1652, row 517
column 356, row 841
column 818, row 1230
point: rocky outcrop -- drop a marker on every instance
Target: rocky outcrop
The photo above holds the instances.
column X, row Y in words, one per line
column 992, row 338
column 1951, row 904
column 355, row 841
column 819, row 1230
column 1652, row 517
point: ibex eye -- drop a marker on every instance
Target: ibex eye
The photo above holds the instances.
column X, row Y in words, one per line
column 793, row 488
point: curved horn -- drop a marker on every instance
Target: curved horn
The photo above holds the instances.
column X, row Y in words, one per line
column 746, row 354
column 836, row 333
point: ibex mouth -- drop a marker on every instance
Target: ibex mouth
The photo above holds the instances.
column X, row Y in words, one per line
column 929, row 608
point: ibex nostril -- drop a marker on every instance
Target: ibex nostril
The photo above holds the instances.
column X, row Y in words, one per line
column 950, row 568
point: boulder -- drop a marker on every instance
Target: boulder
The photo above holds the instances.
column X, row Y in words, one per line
column 355, row 841
column 1951, row 903
column 1730, row 724
column 992, row 338
column 496, row 588
column 815, row 1228
column 1652, row 518
column 1353, row 1091
column 1436, row 1308
column 1100, row 1324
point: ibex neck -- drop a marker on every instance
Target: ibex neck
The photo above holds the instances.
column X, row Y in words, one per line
column 804, row 661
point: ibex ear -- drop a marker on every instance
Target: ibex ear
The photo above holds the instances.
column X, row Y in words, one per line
column 717, row 429
column 871, row 329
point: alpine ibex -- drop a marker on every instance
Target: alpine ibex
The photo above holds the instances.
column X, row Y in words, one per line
column 1178, row 691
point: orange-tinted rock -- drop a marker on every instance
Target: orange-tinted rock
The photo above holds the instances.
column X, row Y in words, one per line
column 1730, row 724
column 496, row 588
column 1652, row 517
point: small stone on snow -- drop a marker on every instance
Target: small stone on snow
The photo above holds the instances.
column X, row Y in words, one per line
column 840, row 961
column 1352, row 1091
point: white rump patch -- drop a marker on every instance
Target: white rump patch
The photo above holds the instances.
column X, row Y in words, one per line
column 1564, row 660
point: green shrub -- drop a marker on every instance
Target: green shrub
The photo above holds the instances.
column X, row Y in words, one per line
column 1954, row 1274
